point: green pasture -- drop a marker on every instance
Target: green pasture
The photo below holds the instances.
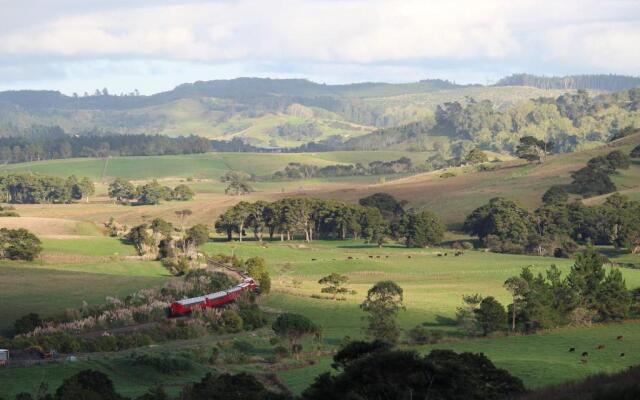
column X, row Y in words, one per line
column 207, row 166
column 539, row 360
column 433, row 285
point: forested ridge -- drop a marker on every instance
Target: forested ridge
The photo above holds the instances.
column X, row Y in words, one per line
column 604, row 82
column 570, row 121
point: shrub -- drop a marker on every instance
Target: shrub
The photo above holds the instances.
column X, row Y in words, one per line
column 19, row 244
column 231, row 321
column 421, row 335
column 164, row 363
column 281, row 351
column 243, row 346
column 447, row 175
column 27, row 323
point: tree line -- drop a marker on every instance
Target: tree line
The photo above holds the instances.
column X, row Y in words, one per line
column 295, row 170
column 123, row 191
column 50, row 143
column 36, row 188
column 374, row 219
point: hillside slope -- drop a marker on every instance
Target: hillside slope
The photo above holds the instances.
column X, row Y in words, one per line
column 455, row 197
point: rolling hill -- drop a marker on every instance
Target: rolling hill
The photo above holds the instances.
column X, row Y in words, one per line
column 263, row 112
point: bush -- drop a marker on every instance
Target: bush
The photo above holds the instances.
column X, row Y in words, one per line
column 421, row 335
column 252, row 316
column 164, row 363
column 281, row 351
column 27, row 323
column 447, row 175
column 19, row 244
column 243, row 346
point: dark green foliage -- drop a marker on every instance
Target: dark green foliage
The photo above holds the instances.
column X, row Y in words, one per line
column 35, row 189
column 152, row 193
column 502, row 219
column 182, row 192
column 422, row 229
column 256, row 267
column 594, row 180
column 383, row 302
column 19, row 244
column 387, row 374
column 334, row 284
column 386, row 203
column 155, row 393
column 312, row 218
column 238, row 188
column 87, row 385
column 149, row 193
column 197, row 235
column 162, row 227
column 555, row 195
column 491, row 315
column 533, row 149
column 421, row 335
column 121, row 190
column 27, row 323
column 241, row 386
column 607, row 295
column 165, row 363
column 293, row 327
column 51, row 142
column 618, row 160
column 354, row 350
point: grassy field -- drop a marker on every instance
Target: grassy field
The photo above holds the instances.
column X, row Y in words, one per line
column 202, row 166
column 539, row 360
column 71, row 271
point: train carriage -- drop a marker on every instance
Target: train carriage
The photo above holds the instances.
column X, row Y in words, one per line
column 212, row 300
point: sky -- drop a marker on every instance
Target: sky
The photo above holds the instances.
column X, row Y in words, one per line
column 154, row 45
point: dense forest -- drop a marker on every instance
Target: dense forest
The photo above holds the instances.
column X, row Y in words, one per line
column 569, row 121
column 609, row 82
column 47, row 143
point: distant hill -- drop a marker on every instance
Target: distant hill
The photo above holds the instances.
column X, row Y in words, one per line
column 571, row 121
column 602, row 82
column 262, row 112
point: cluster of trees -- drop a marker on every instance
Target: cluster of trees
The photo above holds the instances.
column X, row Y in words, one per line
column 150, row 193
column 331, row 219
column 310, row 217
column 296, row 132
column 161, row 240
column 296, row 170
column 49, row 143
column 586, row 294
column 19, row 244
column 35, row 188
column 594, row 179
column 556, row 228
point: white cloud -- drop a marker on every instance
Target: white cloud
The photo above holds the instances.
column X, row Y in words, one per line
column 353, row 31
column 326, row 40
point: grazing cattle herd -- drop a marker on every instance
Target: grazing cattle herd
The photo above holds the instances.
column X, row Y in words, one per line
column 585, row 354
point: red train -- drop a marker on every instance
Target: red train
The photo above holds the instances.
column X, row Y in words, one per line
column 211, row 300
